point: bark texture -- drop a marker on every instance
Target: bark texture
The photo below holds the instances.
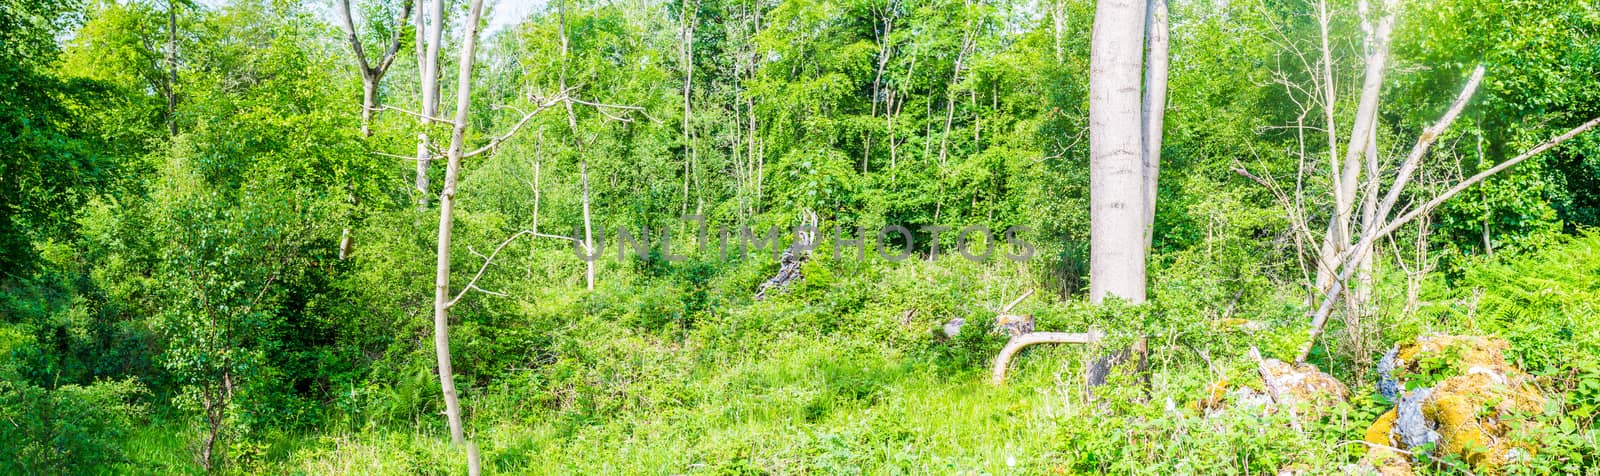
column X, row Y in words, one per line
column 1116, row 166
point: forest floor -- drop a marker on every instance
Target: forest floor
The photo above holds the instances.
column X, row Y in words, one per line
column 826, row 380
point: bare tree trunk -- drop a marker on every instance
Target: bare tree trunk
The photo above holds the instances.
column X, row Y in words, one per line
column 447, row 202
column 885, row 48
column 369, row 101
column 1154, row 110
column 588, row 228
column 538, row 163
column 1337, row 239
column 583, row 162
column 1325, row 264
column 172, row 67
column 1116, row 175
column 687, row 19
column 428, row 68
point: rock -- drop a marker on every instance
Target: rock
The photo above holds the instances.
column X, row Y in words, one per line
column 1471, row 413
column 1303, row 387
column 953, row 328
column 1388, row 386
column 1014, row 325
column 1304, row 390
column 1465, row 413
column 1411, row 428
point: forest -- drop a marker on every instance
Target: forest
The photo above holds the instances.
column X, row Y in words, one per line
column 728, row 237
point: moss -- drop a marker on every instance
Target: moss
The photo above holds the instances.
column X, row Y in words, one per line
column 1381, row 431
column 1471, row 410
column 1466, row 351
column 1459, row 432
column 1216, row 392
column 1474, row 394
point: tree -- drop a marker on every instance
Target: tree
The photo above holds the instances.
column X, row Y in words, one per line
column 447, row 202
column 48, row 162
column 443, row 298
column 372, row 73
column 1116, row 163
column 1154, row 110
column 428, row 83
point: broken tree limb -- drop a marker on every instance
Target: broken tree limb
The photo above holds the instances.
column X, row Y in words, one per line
column 1273, row 392
column 1016, row 344
column 795, row 257
column 1320, row 318
column 1016, row 301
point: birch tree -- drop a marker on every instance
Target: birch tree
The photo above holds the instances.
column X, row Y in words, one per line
column 444, row 297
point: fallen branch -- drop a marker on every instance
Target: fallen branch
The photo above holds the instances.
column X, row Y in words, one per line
column 1016, row 301
column 1359, row 251
column 1016, row 344
column 1273, row 392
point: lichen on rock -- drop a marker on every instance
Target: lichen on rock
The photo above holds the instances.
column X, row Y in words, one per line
column 1466, row 412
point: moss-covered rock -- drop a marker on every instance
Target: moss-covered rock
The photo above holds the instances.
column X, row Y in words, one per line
column 1474, row 395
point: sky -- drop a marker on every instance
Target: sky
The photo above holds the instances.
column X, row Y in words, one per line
column 505, row 13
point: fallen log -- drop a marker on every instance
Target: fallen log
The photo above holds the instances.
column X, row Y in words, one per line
column 1017, row 343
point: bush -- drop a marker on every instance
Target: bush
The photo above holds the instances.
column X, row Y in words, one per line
column 69, row 429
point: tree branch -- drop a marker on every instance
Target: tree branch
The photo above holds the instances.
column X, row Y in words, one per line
column 367, row 70
column 1320, row 319
column 416, row 115
column 350, row 34
column 1429, row 135
column 542, row 105
column 1016, row 344
column 394, row 43
column 473, row 284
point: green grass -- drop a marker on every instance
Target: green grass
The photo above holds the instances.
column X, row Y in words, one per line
column 828, row 380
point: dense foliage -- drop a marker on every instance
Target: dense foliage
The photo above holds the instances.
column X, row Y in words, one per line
column 176, row 179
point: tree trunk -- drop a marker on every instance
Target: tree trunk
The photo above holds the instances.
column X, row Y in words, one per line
column 369, row 101
column 687, row 36
column 588, row 227
column 583, row 162
column 1116, row 175
column 172, row 67
column 1154, row 110
column 429, row 71
column 1337, row 238
column 447, row 201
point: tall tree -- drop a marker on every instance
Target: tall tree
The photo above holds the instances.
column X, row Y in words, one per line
column 1116, row 162
column 428, row 82
column 447, row 202
column 1154, row 109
